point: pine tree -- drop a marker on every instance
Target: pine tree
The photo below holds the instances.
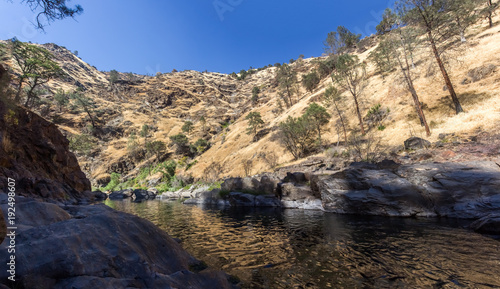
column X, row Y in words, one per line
column 318, row 117
column 433, row 18
column 37, row 68
column 286, row 78
column 254, row 122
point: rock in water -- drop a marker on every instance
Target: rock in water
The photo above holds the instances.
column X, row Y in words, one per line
column 457, row 190
column 97, row 247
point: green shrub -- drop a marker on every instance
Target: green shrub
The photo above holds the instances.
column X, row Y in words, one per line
column 310, row 81
column 81, row 143
column 113, row 183
column 215, row 185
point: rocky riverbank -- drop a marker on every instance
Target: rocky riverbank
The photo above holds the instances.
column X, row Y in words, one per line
column 468, row 190
column 59, row 241
column 94, row 246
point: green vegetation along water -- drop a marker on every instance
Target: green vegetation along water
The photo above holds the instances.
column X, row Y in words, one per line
column 274, row 248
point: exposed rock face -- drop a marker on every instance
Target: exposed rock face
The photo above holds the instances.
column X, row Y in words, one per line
column 457, row 190
column 300, row 197
column 36, row 155
column 248, row 200
column 97, row 247
column 266, row 184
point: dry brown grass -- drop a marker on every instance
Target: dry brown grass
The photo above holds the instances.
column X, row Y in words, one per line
column 232, row 148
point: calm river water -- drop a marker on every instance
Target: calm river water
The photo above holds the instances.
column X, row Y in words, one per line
column 274, row 248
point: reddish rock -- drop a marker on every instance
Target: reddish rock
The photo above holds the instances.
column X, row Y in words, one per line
column 35, row 153
column 448, row 154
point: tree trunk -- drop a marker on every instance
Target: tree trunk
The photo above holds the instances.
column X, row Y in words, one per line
column 418, row 106
column 359, row 115
column 289, row 96
column 91, row 118
column 17, row 99
column 30, row 95
column 409, row 82
column 341, row 121
column 490, row 13
column 456, row 102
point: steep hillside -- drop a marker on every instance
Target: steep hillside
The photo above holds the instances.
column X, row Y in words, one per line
column 166, row 101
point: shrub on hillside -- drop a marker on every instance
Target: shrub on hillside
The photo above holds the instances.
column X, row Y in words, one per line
column 82, row 143
column 310, row 81
column 113, row 183
column 298, row 136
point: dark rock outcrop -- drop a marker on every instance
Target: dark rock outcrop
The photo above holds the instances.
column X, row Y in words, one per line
column 487, row 225
column 299, row 196
column 97, row 247
column 139, row 195
column 120, row 195
column 415, row 143
column 266, row 184
column 35, row 153
column 247, row 200
column 457, row 190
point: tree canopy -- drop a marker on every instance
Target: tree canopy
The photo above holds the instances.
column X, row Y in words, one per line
column 48, row 11
column 37, row 68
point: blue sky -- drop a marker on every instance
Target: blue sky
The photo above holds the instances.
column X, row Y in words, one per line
column 215, row 35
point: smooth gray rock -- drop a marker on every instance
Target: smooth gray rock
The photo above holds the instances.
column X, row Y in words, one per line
column 102, row 248
column 266, row 185
column 32, row 213
column 241, row 200
column 267, row 201
column 294, row 192
column 120, row 195
column 295, row 196
column 458, row 190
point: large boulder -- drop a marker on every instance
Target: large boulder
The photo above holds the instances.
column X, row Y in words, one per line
column 140, row 195
column 458, row 190
column 300, row 197
column 266, row 185
column 35, row 154
column 415, row 143
column 241, row 200
column 96, row 246
column 120, row 195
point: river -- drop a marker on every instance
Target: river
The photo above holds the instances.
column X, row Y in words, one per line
column 274, row 248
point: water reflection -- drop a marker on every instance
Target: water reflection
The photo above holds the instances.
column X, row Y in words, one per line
column 271, row 248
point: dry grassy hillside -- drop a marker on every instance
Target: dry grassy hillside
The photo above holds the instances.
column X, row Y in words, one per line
column 165, row 102
column 480, row 99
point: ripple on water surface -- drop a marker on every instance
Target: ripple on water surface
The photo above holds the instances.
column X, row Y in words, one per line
column 272, row 248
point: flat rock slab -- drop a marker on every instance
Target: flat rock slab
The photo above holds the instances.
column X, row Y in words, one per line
column 458, row 190
column 97, row 247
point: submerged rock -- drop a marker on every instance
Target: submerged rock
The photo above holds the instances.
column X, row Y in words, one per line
column 487, row 225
